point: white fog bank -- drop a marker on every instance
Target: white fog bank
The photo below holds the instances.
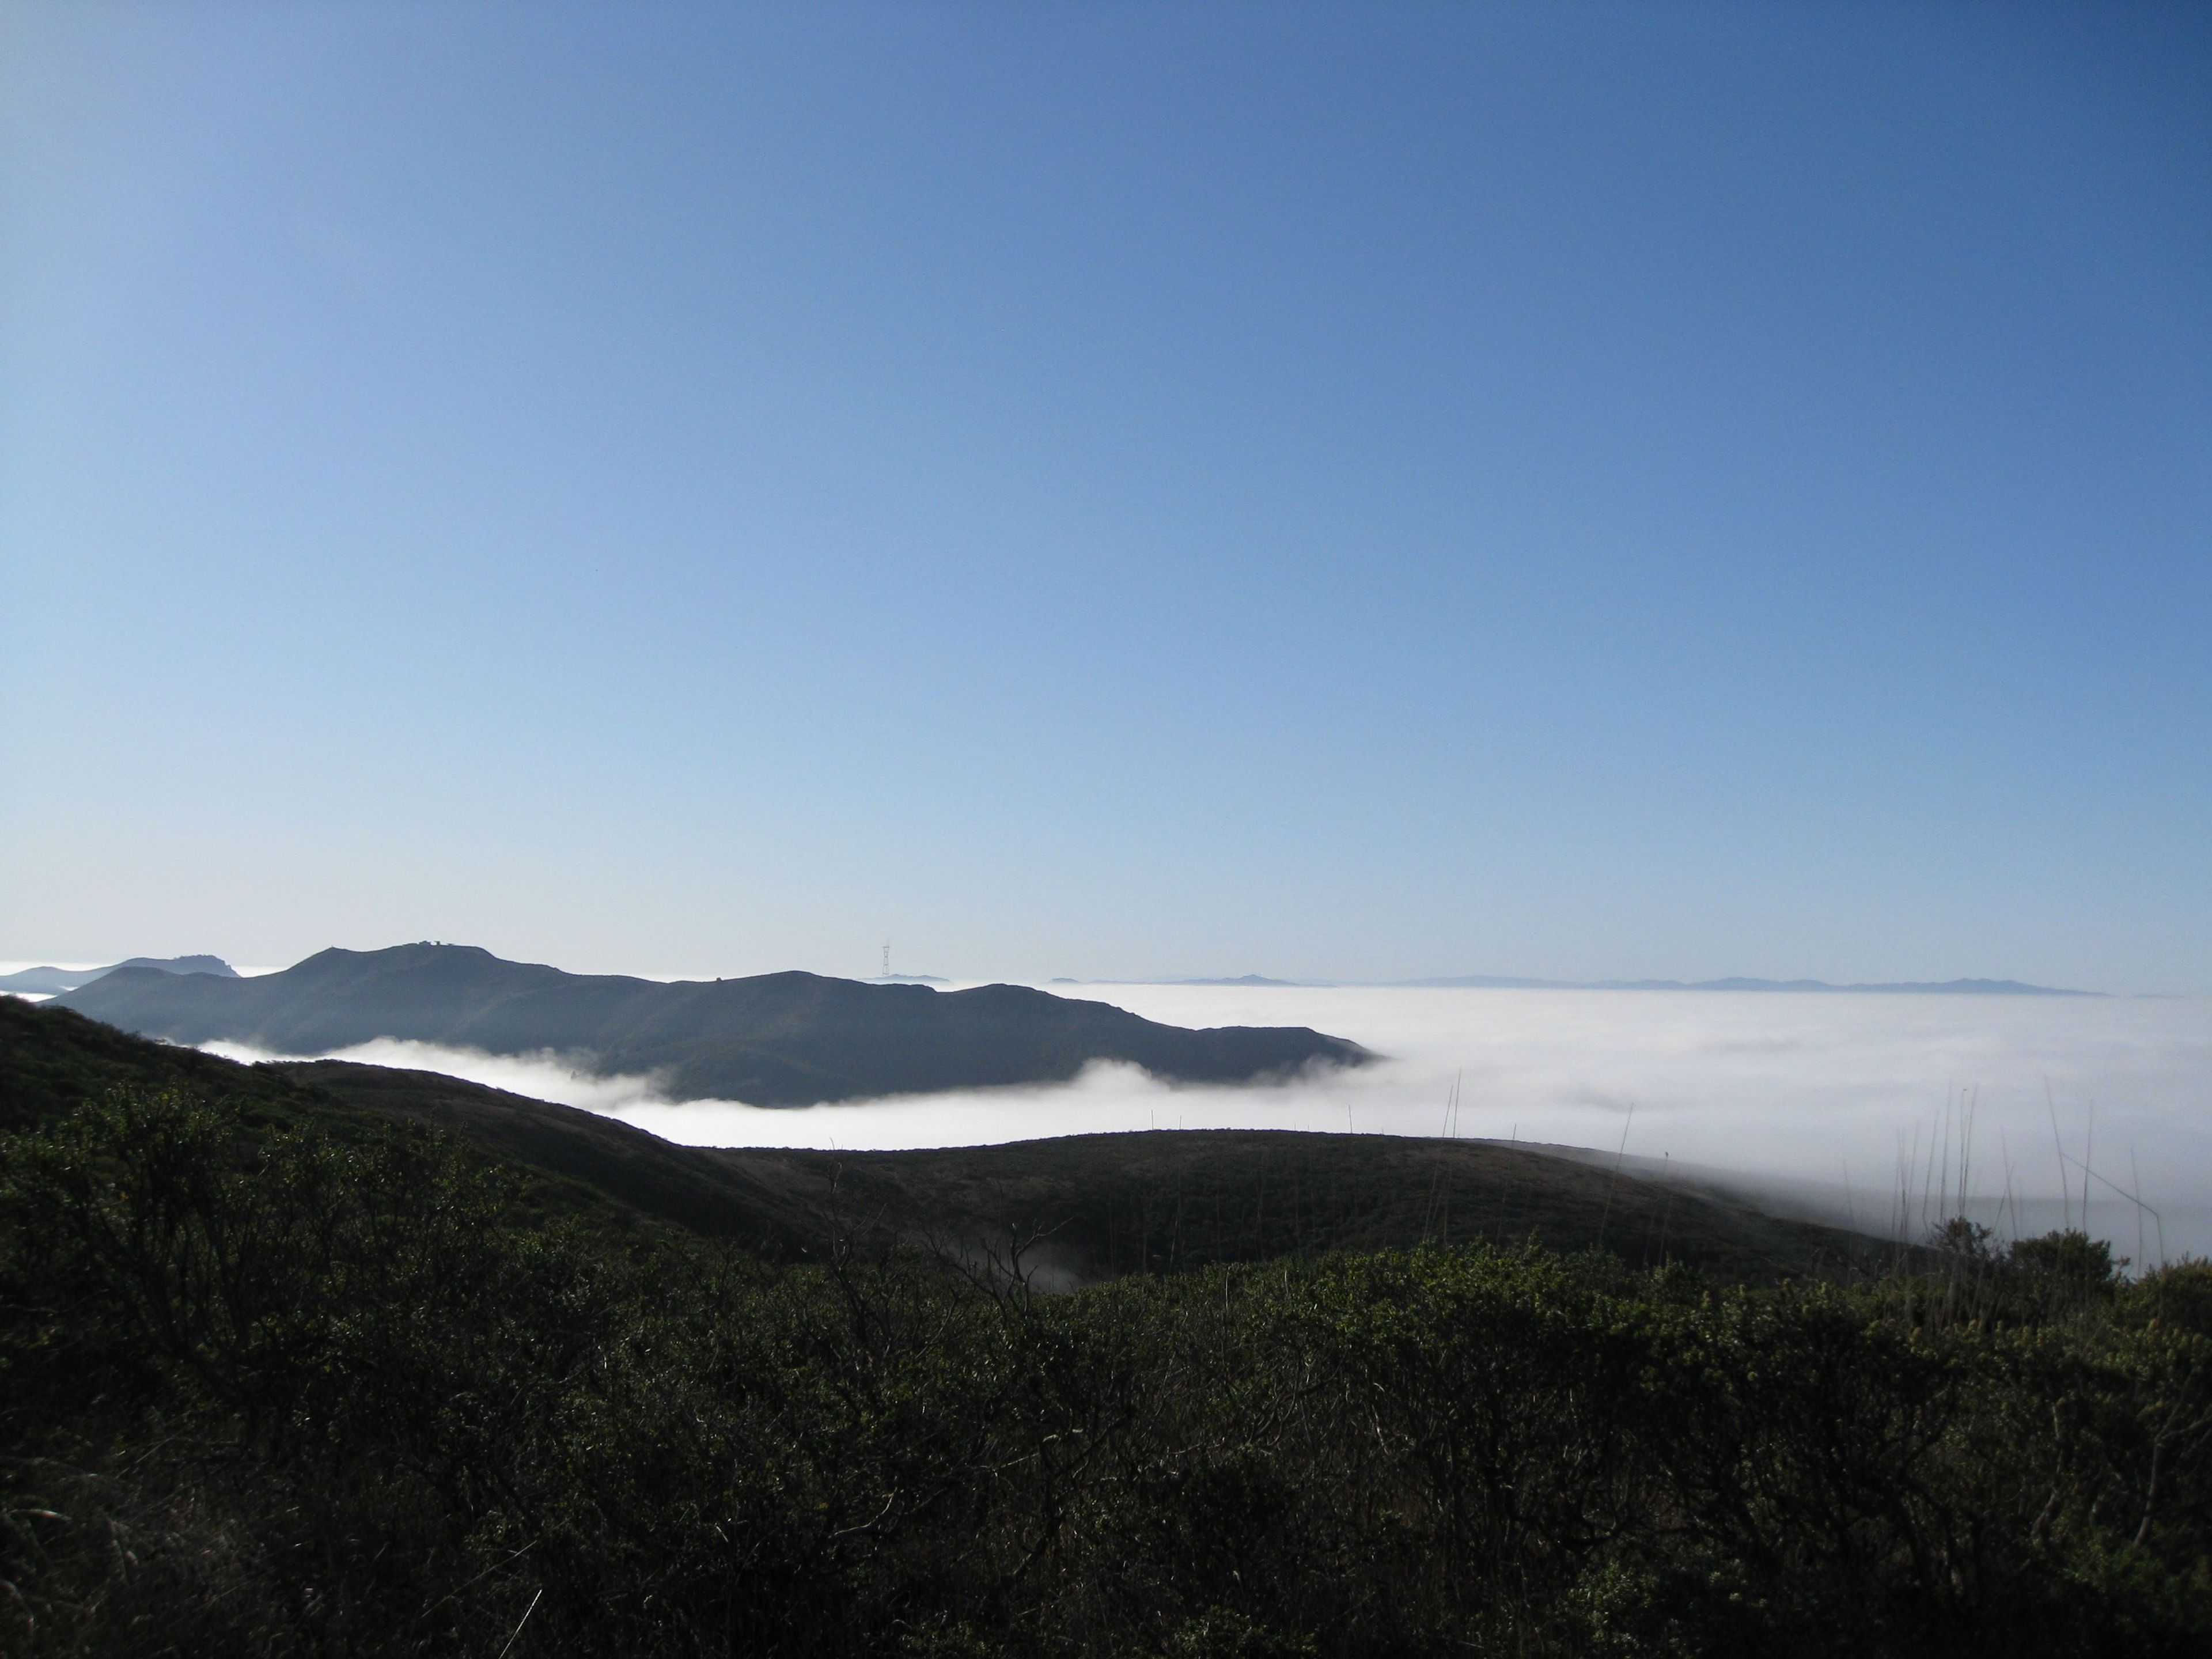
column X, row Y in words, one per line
column 1829, row 1103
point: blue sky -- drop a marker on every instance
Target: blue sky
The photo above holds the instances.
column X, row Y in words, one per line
column 1356, row 491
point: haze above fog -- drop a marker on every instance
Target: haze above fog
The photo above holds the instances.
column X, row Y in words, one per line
column 1587, row 492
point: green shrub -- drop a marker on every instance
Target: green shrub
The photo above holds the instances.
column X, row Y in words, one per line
column 271, row 1388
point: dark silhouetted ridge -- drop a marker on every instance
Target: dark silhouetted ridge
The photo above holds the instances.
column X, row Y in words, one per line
column 49, row 981
column 790, row 1039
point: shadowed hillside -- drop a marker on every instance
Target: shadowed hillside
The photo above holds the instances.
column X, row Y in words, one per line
column 1095, row 1206
column 53, row 1061
column 772, row 1040
column 286, row 1338
column 1085, row 1207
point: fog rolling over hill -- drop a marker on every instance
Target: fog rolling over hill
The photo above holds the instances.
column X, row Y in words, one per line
column 1101, row 1206
column 791, row 1039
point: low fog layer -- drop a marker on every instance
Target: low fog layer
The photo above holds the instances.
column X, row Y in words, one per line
column 1834, row 1105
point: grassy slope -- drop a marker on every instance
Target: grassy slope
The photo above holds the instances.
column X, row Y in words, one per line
column 1101, row 1206
column 1105, row 1205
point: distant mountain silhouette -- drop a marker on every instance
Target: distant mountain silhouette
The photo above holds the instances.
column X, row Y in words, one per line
column 788, row 1039
column 51, row 981
column 1986, row 987
column 1241, row 979
column 2001, row 988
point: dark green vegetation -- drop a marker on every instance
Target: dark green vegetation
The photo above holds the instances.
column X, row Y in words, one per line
column 280, row 1374
column 772, row 1040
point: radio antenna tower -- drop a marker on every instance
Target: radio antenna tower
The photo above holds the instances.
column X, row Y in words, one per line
column 887, row 959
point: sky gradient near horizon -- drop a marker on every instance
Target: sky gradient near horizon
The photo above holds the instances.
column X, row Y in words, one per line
column 1352, row 492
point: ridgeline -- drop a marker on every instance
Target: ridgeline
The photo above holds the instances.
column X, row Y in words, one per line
column 787, row 1039
column 1088, row 1207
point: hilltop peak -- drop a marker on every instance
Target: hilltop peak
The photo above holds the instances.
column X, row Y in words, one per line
column 783, row 1039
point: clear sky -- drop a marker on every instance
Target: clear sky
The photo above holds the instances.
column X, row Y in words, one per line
column 1351, row 490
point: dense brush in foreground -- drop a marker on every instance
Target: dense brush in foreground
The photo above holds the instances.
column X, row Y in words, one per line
column 275, row 1389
